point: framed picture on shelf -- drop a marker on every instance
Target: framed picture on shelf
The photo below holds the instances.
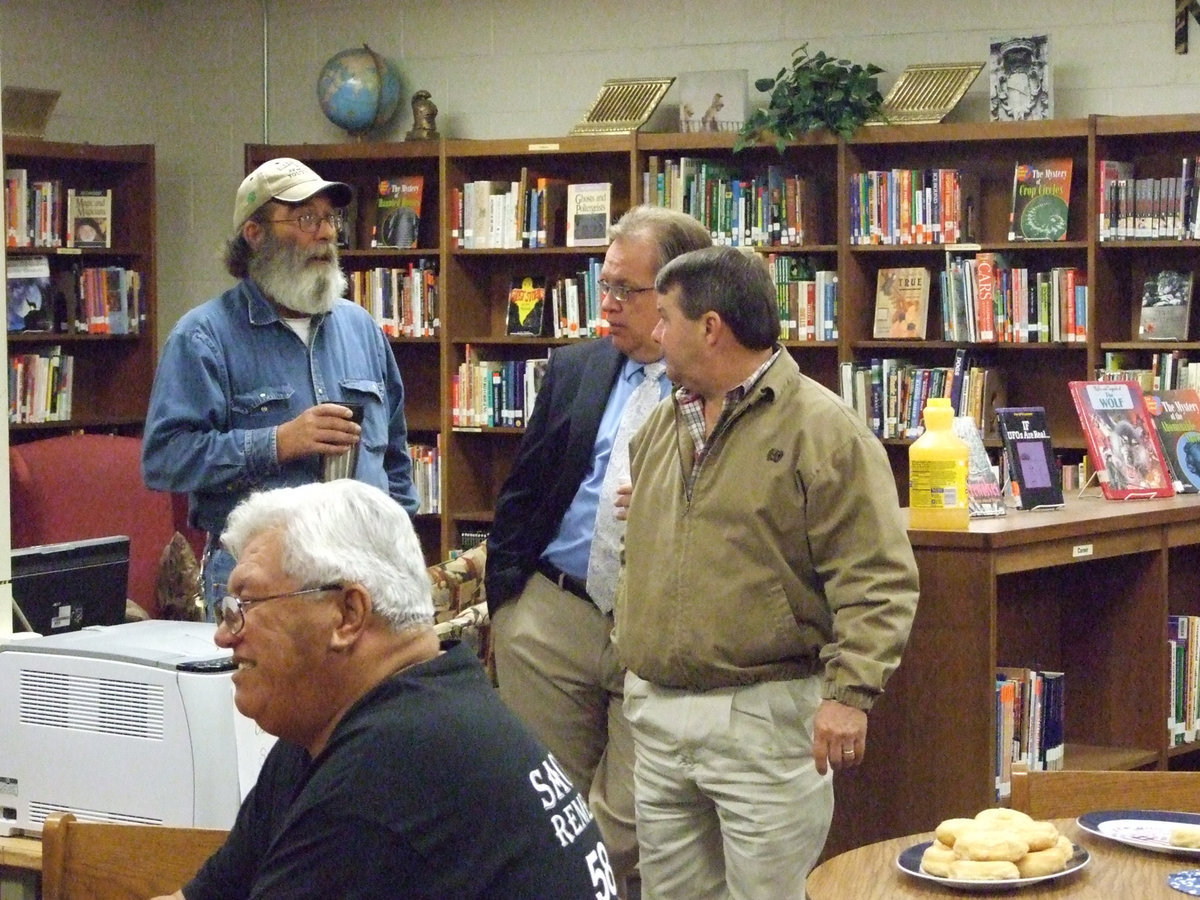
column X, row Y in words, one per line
column 713, row 101
column 1020, row 78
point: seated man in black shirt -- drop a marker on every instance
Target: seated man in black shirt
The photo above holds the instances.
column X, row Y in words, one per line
column 398, row 772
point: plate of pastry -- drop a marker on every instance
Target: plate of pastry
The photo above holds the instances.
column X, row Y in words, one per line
column 994, row 876
column 1147, row 829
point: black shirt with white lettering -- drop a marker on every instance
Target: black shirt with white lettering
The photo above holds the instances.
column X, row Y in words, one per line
column 429, row 788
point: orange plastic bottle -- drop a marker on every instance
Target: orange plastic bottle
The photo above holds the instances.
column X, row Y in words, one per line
column 937, row 473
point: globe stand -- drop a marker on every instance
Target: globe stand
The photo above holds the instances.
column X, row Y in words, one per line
column 358, row 91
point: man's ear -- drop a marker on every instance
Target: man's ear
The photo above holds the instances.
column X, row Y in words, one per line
column 252, row 232
column 355, row 609
column 713, row 325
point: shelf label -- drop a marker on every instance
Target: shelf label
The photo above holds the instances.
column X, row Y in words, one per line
column 533, row 147
column 1079, row 551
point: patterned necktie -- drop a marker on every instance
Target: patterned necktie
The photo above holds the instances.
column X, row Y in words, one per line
column 604, row 559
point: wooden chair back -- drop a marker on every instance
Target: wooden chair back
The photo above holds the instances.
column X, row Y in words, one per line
column 1061, row 795
column 105, row 861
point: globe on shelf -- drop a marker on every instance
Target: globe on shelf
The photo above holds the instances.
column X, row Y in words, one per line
column 358, row 90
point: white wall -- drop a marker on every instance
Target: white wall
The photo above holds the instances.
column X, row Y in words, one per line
column 187, row 75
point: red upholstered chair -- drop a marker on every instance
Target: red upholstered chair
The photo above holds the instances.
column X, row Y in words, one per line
column 90, row 485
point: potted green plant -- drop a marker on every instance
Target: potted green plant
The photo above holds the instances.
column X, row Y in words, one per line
column 815, row 92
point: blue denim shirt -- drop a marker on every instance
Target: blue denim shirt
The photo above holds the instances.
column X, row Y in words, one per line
column 231, row 372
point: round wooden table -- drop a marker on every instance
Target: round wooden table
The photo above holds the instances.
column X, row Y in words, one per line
column 1115, row 872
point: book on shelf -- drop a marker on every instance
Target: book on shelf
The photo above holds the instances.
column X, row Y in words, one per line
column 1031, row 470
column 1041, row 200
column 1176, row 417
column 1166, row 306
column 548, row 219
column 984, row 497
column 347, row 233
column 1038, row 716
column 1122, row 441
column 398, row 211
column 30, row 303
column 901, row 303
column 89, row 217
column 527, row 306
column 589, row 209
column 1113, row 176
column 16, row 207
column 1183, row 646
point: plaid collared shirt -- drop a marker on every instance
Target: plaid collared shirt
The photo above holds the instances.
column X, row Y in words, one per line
column 691, row 410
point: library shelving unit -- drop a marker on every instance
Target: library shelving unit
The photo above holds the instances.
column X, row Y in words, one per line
column 476, row 459
column 473, row 283
column 814, row 158
column 362, row 165
column 113, row 373
column 1085, row 590
column 1155, row 146
column 1035, row 373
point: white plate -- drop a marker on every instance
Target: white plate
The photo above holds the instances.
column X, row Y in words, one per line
column 909, row 862
column 1146, row 829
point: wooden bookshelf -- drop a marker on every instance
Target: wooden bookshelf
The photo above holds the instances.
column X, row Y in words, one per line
column 1085, row 590
column 113, row 373
column 474, row 282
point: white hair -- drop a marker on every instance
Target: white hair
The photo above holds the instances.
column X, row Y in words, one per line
column 342, row 531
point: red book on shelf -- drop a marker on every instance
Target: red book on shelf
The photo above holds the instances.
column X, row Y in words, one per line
column 1122, row 442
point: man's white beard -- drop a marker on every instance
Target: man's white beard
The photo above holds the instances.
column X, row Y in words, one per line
column 285, row 273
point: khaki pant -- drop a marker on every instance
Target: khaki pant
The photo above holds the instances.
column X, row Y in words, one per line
column 557, row 670
column 729, row 802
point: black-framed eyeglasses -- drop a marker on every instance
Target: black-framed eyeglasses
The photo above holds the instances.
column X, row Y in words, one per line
column 232, row 608
column 622, row 292
column 310, row 222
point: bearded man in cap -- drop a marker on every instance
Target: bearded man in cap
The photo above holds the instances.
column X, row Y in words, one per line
column 250, row 385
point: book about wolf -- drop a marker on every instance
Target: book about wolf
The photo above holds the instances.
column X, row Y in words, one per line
column 1041, row 200
column 1122, row 441
column 1176, row 416
column 28, row 289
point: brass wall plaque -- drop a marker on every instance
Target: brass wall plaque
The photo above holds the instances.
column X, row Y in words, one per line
column 624, row 105
column 925, row 93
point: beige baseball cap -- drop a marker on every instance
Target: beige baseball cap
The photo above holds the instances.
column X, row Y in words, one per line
column 284, row 179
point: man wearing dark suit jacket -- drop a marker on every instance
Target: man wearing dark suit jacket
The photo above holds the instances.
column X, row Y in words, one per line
column 555, row 663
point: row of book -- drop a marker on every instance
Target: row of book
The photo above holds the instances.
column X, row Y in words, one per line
column 1030, row 715
column 41, row 213
column 403, row 300
column 890, row 393
column 534, row 211
column 771, row 208
column 913, row 206
column 39, row 386
column 1183, row 644
column 807, row 298
column 984, row 299
column 83, row 300
column 426, row 476
column 1150, row 207
column 495, row 393
column 1167, row 370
